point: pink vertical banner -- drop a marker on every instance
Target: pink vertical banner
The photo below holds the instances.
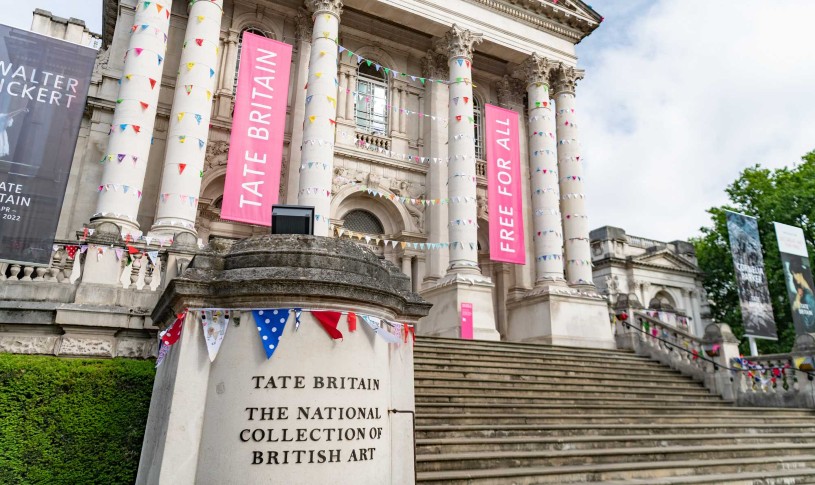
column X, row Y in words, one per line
column 504, row 186
column 256, row 143
column 467, row 321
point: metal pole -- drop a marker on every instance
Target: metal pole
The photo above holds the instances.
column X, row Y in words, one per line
column 753, row 348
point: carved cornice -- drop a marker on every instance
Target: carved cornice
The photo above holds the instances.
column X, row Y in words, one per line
column 536, row 70
column 459, row 43
column 435, row 65
column 332, row 7
column 572, row 19
column 510, row 92
column 566, row 77
column 304, row 25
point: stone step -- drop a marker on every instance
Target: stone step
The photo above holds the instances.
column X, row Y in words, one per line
column 547, row 409
column 564, row 384
column 800, row 476
column 548, row 458
column 545, row 391
column 552, row 375
column 425, row 446
column 517, row 350
column 512, row 397
column 568, row 431
column 618, row 418
column 799, row 467
column 549, row 361
column 611, row 368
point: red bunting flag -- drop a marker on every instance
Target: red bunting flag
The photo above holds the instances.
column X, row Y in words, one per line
column 458, row 118
column 136, row 128
column 71, row 251
column 352, row 322
column 173, row 333
column 152, row 83
column 132, row 250
column 329, row 321
column 181, row 167
column 466, row 99
column 144, row 105
column 200, row 42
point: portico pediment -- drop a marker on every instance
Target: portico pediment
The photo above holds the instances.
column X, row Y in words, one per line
column 571, row 18
column 664, row 259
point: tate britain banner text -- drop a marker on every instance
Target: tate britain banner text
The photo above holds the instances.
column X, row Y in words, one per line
column 43, row 87
column 756, row 308
column 798, row 275
column 505, row 201
column 256, row 143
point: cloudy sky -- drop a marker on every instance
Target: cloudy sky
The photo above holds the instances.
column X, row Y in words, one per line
column 679, row 96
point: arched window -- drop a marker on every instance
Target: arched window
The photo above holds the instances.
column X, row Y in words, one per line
column 478, row 129
column 218, row 202
column 359, row 220
column 251, row 30
column 662, row 301
column 372, row 100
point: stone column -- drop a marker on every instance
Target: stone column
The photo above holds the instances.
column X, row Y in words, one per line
column 435, row 135
column 395, row 111
column 189, row 120
column 343, row 92
column 463, row 208
column 298, row 109
column 543, row 167
column 403, row 116
column 350, row 101
column 570, row 167
column 321, row 113
column 131, row 130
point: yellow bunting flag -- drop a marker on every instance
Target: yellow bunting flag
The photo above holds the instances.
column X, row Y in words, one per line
column 190, row 65
column 318, row 75
column 209, row 94
column 312, row 118
column 201, row 18
column 322, row 53
column 332, row 101
column 180, row 116
column 128, row 76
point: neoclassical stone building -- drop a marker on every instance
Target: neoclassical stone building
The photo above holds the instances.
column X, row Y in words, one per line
column 402, row 159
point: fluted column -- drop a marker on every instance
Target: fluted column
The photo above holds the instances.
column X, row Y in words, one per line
column 131, row 130
column 304, row 26
column 321, row 113
column 435, row 135
column 463, row 207
column 570, row 167
column 543, row 169
column 189, row 120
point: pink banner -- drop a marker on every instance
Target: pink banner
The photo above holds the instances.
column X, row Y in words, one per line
column 467, row 321
column 256, row 143
column 504, row 186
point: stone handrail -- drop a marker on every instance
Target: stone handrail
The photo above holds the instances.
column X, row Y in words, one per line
column 371, row 141
column 481, row 168
column 770, row 381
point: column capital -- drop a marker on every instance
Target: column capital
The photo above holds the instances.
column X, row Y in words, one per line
column 510, row 92
column 460, row 42
column 330, row 7
column 566, row 77
column 535, row 70
column 304, row 26
column 434, row 65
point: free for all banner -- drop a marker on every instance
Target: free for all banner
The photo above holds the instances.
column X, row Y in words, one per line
column 798, row 276
column 504, row 186
column 745, row 246
column 43, row 87
column 252, row 183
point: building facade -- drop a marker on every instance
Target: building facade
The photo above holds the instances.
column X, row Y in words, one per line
column 391, row 152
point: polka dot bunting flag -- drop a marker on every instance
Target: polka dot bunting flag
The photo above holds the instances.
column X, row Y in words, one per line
column 270, row 325
column 173, row 333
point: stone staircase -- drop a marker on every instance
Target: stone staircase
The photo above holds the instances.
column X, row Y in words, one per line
column 503, row 413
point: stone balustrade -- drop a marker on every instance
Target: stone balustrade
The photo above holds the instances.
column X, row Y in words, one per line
column 765, row 381
column 481, row 168
column 372, row 142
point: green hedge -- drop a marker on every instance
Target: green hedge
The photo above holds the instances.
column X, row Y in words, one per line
column 72, row 421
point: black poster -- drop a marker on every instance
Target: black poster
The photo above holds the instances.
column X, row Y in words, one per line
column 748, row 261
column 43, row 87
column 798, row 276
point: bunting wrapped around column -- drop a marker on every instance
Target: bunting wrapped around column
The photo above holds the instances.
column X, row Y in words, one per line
column 189, row 120
column 320, row 118
column 134, row 115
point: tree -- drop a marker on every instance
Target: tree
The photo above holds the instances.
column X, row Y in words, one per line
column 785, row 195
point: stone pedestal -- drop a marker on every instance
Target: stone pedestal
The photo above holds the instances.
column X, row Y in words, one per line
column 319, row 410
column 447, row 296
column 560, row 316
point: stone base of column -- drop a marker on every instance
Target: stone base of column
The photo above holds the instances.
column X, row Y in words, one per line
column 447, row 295
column 559, row 315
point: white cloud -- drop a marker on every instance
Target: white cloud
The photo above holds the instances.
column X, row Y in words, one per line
column 681, row 96
column 18, row 14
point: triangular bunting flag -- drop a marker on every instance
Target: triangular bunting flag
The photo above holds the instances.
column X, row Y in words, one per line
column 329, row 321
column 173, row 333
column 270, row 325
column 215, row 323
column 181, row 167
column 352, row 321
column 374, row 324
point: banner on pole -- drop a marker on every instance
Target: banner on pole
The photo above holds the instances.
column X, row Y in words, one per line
column 252, row 183
column 748, row 262
column 505, row 201
column 798, row 276
column 43, row 87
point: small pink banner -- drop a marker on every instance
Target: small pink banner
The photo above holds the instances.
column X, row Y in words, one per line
column 504, row 186
column 256, row 143
column 467, row 321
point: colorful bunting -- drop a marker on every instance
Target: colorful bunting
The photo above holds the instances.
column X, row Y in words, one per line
column 329, row 321
column 270, row 324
